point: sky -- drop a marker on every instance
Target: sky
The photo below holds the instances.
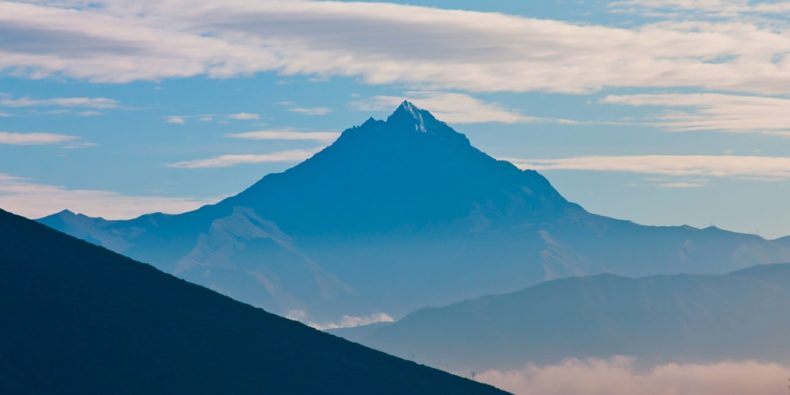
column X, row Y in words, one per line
column 664, row 112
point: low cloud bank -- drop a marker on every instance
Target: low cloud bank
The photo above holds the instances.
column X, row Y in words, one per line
column 33, row 200
column 346, row 321
column 620, row 376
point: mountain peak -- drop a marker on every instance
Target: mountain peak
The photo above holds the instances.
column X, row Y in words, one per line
column 59, row 215
column 409, row 107
column 409, row 114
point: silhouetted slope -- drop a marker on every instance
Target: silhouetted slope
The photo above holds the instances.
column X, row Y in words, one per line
column 745, row 314
column 79, row 319
column 375, row 221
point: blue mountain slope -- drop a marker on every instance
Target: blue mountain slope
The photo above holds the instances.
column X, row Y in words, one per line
column 79, row 319
column 400, row 214
column 742, row 315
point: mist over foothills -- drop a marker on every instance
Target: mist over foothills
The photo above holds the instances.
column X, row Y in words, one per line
column 300, row 197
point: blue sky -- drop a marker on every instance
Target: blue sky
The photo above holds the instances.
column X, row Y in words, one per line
column 659, row 111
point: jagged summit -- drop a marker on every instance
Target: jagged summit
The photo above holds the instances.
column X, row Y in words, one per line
column 408, row 113
column 408, row 126
column 411, row 171
column 408, row 117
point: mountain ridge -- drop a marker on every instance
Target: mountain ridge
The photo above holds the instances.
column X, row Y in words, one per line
column 393, row 207
column 657, row 319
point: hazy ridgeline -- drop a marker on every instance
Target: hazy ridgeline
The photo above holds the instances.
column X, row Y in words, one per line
column 398, row 215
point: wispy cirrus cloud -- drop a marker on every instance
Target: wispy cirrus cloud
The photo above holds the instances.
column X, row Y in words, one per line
column 239, row 116
column 682, row 184
column 68, row 102
column 456, row 108
column 12, row 138
column 244, row 116
column 713, row 112
column 176, row 120
column 751, row 167
column 242, row 159
column 90, row 113
column 114, row 41
column 311, row 110
column 703, row 8
column 288, row 135
column 34, row 199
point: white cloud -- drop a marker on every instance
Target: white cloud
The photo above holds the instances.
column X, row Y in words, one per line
column 241, row 159
column 346, row 321
column 80, row 144
column 90, row 113
column 682, row 184
column 620, row 376
column 351, row 321
column 11, row 138
column 714, row 112
column 77, row 102
column 183, row 119
column 450, row 107
column 672, row 182
column 708, row 8
column 296, row 315
column 752, row 167
column 290, row 135
column 311, row 110
column 176, row 120
column 115, row 41
column 244, row 116
column 35, row 200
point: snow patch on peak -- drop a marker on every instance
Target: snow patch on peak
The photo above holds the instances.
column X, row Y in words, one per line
column 415, row 112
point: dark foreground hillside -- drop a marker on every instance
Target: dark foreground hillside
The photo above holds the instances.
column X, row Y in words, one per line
column 79, row 319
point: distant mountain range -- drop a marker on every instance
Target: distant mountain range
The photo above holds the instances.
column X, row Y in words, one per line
column 697, row 318
column 401, row 214
column 79, row 319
